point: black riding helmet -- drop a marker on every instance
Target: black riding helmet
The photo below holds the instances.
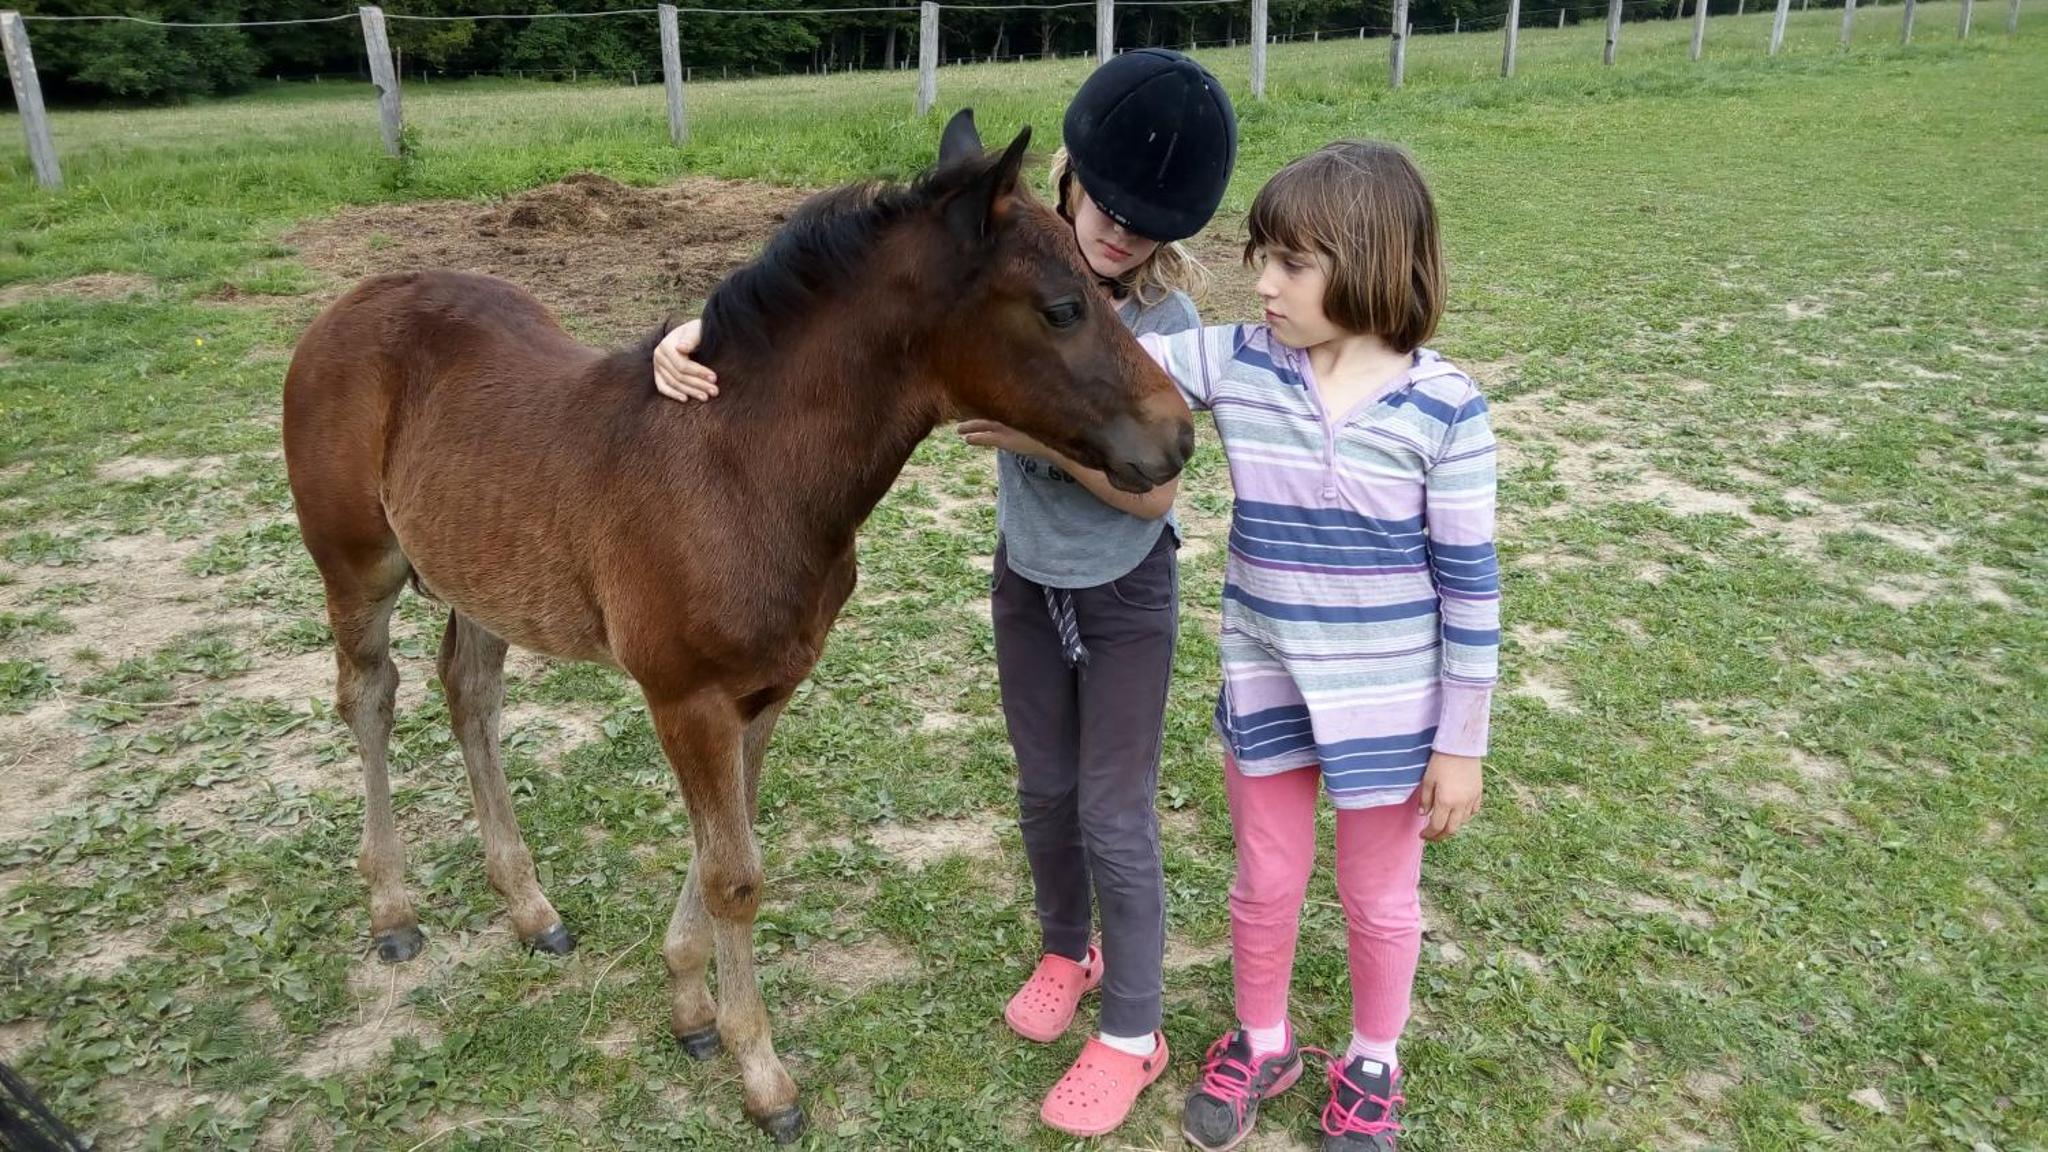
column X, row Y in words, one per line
column 1153, row 138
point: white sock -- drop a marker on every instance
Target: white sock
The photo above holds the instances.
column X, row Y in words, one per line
column 1382, row 1052
column 1135, row 1045
column 1266, row 1041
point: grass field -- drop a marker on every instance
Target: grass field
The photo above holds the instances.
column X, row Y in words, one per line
column 1763, row 862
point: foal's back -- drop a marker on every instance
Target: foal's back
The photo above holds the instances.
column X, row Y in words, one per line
column 442, row 423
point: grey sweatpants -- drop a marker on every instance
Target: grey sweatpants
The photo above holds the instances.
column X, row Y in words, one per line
column 1087, row 742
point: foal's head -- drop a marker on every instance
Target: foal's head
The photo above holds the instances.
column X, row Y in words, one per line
column 1029, row 339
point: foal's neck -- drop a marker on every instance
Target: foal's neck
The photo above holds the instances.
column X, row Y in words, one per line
column 834, row 415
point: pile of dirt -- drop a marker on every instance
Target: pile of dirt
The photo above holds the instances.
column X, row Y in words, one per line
column 608, row 259
column 1232, row 296
column 95, row 286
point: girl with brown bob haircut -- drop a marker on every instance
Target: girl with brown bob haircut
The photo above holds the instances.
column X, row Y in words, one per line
column 1361, row 614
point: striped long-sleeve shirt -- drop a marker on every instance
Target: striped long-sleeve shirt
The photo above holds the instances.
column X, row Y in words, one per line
column 1361, row 600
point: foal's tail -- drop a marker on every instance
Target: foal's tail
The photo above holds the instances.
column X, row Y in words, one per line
column 27, row 1124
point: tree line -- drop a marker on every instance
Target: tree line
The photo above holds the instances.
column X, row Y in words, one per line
column 81, row 62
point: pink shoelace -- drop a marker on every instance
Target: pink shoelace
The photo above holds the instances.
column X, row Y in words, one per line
column 1227, row 1078
column 1346, row 1121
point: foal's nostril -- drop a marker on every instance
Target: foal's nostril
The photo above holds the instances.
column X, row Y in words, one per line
column 1186, row 445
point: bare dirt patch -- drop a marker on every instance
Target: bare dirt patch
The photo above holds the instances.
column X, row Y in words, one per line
column 1708, row 1087
column 1813, row 768
column 95, row 286
column 1772, row 792
column 940, row 719
column 1182, row 954
column 109, row 952
column 621, row 1036
column 1538, row 639
column 383, row 1010
column 1702, row 723
column 307, row 676
column 1182, row 825
column 612, row 257
column 143, row 1102
column 918, row 845
column 148, row 600
column 129, row 469
column 37, row 749
column 1231, row 296
column 1901, row 591
column 569, row 727
column 1648, row 905
column 1554, row 695
column 1983, row 586
column 18, row 1036
column 855, row 967
column 1843, row 663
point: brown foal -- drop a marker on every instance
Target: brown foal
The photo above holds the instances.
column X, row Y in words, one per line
column 440, row 427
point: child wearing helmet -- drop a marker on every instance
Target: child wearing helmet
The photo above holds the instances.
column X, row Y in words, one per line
column 1085, row 593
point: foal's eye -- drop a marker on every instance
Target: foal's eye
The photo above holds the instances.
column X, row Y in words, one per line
column 1064, row 314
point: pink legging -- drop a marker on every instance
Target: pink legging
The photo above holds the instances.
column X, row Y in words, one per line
column 1379, row 864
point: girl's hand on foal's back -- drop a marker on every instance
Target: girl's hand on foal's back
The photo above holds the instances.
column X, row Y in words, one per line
column 676, row 376
column 1450, row 794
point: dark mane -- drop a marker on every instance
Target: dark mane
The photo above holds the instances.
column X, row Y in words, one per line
column 823, row 246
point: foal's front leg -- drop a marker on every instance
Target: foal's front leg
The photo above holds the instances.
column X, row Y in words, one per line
column 693, row 1017
column 702, row 735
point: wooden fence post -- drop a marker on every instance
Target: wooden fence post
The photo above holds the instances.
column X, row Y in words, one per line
column 672, row 75
column 1906, row 26
column 1613, row 31
column 2012, row 19
column 1397, row 62
column 1848, row 22
column 1514, row 28
column 1560, row 19
column 1778, row 25
column 379, row 50
column 1963, row 29
column 28, row 100
column 927, row 56
column 1259, row 49
column 1105, row 31
column 1699, row 27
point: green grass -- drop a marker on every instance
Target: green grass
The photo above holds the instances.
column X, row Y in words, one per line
column 1766, row 345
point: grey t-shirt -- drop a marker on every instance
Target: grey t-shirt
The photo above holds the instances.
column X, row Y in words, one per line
column 1055, row 531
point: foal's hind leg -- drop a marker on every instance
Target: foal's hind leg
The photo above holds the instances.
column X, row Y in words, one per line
column 359, row 602
column 473, row 677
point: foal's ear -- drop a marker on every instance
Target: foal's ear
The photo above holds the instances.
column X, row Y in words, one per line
column 960, row 139
column 971, row 213
column 1012, row 163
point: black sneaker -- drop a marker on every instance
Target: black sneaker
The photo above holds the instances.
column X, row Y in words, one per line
column 1364, row 1112
column 1222, row 1106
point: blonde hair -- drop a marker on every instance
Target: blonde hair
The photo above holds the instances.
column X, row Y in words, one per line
column 1170, row 268
column 1364, row 206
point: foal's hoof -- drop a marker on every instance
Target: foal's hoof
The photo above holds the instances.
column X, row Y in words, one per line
column 784, row 1126
column 556, row 941
column 400, row 944
column 702, row 1044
